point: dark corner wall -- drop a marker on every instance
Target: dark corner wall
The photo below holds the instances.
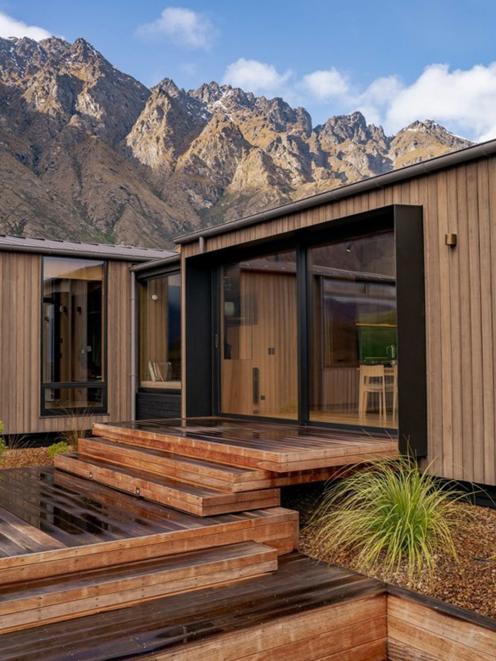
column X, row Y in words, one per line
column 410, row 295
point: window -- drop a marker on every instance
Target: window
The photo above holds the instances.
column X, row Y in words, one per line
column 73, row 347
column 353, row 346
column 160, row 332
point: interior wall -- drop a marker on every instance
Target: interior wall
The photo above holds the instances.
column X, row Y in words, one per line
column 267, row 343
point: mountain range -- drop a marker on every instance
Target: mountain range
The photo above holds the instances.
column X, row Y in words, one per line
column 89, row 153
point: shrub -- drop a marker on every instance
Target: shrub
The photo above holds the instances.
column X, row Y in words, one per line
column 390, row 514
column 58, row 448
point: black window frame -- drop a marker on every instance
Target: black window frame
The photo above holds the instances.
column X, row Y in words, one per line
column 94, row 385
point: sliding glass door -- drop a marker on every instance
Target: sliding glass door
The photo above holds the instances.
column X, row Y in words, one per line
column 353, row 346
column 259, row 338
column 342, row 368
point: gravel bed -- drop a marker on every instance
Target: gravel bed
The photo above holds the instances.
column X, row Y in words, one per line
column 25, row 457
column 469, row 582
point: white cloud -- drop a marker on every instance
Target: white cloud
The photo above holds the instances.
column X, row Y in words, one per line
column 11, row 27
column 326, row 84
column 255, row 76
column 182, row 26
column 463, row 99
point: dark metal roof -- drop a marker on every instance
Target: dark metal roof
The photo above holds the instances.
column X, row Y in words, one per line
column 408, row 172
column 174, row 258
column 76, row 249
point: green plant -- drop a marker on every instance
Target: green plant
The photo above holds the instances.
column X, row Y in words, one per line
column 58, row 448
column 391, row 515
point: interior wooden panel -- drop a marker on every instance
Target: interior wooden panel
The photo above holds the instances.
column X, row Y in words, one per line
column 274, row 326
column 20, row 347
column 153, row 325
column 460, row 303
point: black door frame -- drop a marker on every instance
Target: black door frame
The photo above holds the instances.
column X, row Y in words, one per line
column 202, row 312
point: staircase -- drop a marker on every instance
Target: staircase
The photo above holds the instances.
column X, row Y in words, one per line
column 149, row 510
column 38, row 602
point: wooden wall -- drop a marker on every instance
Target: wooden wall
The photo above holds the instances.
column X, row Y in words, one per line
column 20, row 346
column 460, row 303
column 417, row 632
column 347, row 631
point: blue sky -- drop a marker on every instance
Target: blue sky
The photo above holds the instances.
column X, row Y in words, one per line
column 395, row 61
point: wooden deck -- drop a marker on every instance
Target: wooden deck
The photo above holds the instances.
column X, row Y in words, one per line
column 53, row 523
column 305, row 610
column 147, row 510
column 279, row 448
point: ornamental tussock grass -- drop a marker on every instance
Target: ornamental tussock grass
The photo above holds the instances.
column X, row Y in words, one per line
column 390, row 515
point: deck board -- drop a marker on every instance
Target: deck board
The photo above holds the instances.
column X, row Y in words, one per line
column 201, row 501
column 269, row 446
column 83, row 525
column 172, row 623
column 51, row 599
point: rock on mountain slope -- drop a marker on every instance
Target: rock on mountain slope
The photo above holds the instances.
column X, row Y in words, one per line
column 89, row 153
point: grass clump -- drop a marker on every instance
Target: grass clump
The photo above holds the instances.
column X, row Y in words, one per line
column 58, row 448
column 390, row 515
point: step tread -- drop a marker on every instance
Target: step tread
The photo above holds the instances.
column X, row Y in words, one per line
column 191, row 561
column 165, row 481
column 175, row 456
column 178, row 494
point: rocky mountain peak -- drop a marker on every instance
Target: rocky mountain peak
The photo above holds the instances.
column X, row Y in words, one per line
column 88, row 152
column 169, row 87
column 421, row 140
column 208, row 93
column 353, row 127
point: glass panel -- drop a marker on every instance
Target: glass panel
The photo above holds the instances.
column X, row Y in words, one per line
column 160, row 332
column 68, row 399
column 259, row 347
column 353, row 347
column 73, row 318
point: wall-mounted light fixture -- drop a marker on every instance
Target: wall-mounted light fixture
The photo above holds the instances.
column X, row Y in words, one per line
column 451, row 239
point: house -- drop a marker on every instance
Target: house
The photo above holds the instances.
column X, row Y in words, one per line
column 368, row 308
column 68, row 334
column 322, row 334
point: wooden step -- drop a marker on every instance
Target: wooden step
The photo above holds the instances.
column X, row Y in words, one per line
column 269, row 447
column 186, row 469
column 229, row 478
column 50, row 600
column 202, row 501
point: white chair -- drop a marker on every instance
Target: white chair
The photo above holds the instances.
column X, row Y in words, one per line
column 372, row 382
